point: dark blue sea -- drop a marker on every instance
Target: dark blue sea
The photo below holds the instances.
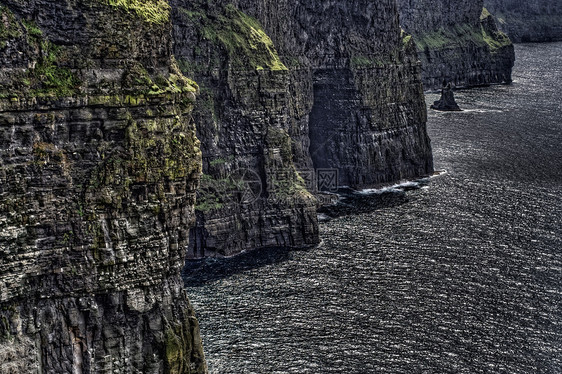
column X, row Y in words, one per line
column 461, row 273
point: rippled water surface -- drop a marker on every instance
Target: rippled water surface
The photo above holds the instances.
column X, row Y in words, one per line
column 462, row 275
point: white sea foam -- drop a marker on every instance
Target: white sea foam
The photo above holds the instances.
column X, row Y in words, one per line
column 480, row 110
column 390, row 189
column 400, row 187
column 322, row 217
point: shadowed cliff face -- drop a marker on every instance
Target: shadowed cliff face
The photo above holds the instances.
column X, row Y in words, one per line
column 367, row 118
column 528, row 20
column 289, row 88
column 457, row 42
column 98, row 168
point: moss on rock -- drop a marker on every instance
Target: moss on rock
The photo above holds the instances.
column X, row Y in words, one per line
column 446, row 38
column 153, row 11
column 495, row 39
column 462, row 34
column 9, row 28
column 47, row 74
column 181, row 358
column 242, row 36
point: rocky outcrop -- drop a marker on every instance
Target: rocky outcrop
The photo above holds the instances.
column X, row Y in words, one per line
column 528, row 20
column 458, row 42
column 294, row 92
column 98, row 169
column 447, row 101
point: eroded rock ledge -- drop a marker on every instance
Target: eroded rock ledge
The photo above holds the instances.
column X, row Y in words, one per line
column 99, row 163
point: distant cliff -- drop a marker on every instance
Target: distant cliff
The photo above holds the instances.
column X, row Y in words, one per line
column 98, row 169
column 291, row 90
column 458, row 42
column 528, row 20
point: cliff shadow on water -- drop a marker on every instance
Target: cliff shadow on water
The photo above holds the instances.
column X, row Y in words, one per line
column 353, row 202
column 345, row 202
column 197, row 273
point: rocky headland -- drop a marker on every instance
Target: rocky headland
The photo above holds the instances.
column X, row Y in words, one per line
column 290, row 91
column 105, row 187
column 457, row 41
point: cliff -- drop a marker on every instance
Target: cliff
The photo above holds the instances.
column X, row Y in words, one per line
column 250, row 194
column 292, row 94
column 99, row 163
column 528, row 20
column 458, row 42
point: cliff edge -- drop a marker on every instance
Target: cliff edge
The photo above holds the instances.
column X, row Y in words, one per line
column 99, row 163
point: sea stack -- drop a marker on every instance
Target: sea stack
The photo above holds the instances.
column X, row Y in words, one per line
column 447, row 102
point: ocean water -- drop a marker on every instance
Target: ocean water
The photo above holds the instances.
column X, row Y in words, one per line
column 460, row 273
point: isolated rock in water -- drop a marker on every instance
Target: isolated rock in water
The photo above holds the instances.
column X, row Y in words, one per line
column 447, row 102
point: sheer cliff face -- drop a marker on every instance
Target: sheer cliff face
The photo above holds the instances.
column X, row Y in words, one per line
column 289, row 88
column 458, row 42
column 98, row 168
column 528, row 20
column 364, row 110
column 417, row 18
column 251, row 195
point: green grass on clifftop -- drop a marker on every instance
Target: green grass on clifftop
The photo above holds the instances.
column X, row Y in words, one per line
column 454, row 36
column 492, row 36
column 483, row 34
column 154, row 11
column 242, row 36
column 46, row 76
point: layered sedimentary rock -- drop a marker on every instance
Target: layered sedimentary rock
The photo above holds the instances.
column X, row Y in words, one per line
column 99, row 163
column 289, row 88
column 458, row 42
column 528, row 20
